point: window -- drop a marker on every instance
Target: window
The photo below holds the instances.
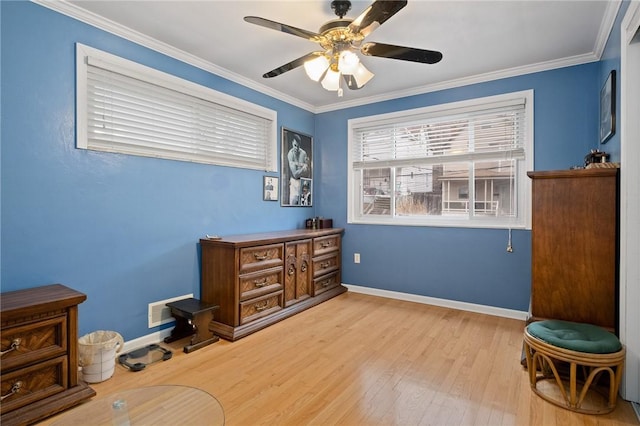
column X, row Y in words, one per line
column 460, row 164
column 128, row 108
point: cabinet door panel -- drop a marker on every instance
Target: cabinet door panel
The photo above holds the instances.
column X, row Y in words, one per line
column 297, row 271
column 574, row 246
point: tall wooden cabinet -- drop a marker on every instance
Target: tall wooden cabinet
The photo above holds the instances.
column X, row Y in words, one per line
column 259, row 279
column 575, row 257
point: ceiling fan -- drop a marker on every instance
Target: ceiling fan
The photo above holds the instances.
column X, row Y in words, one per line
column 340, row 39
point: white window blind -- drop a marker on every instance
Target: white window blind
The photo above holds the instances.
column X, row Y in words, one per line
column 428, row 138
column 127, row 108
column 459, row 164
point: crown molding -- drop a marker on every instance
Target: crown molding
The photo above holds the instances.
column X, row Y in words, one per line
column 466, row 81
column 606, row 25
column 127, row 33
column 69, row 9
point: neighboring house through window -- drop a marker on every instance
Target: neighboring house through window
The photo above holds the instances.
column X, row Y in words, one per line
column 459, row 164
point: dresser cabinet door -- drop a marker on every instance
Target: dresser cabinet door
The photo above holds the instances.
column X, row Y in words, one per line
column 297, row 272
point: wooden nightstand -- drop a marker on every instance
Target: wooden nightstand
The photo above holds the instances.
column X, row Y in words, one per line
column 40, row 353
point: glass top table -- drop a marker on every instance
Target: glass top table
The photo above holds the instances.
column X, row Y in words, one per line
column 153, row 405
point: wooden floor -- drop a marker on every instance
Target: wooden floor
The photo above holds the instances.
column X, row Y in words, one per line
column 363, row 360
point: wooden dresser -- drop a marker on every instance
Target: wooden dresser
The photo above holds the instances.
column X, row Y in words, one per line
column 260, row 279
column 40, row 353
column 575, row 246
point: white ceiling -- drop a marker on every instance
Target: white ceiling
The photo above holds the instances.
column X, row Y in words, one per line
column 480, row 40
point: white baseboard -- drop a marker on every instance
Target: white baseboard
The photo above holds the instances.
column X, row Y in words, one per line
column 464, row 306
column 148, row 339
column 471, row 307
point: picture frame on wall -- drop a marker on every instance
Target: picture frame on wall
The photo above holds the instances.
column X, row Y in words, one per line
column 270, row 188
column 608, row 108
column 297, row 169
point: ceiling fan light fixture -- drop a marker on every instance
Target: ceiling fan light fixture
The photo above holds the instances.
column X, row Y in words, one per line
column 315, row 68
column 331, row 80
column 362, row 75
column 348, row 62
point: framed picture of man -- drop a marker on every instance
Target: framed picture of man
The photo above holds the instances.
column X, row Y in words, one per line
column 270, row 188
column 297, row 169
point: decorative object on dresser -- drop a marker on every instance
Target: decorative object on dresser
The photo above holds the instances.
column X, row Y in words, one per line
column 575, row 246
column 260, row 279
column 40, row 353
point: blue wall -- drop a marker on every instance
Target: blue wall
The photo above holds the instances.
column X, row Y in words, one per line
column 468, row 265
column 124, row 230
column 611, row 61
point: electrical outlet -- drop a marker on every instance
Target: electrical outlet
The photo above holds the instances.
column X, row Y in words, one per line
column 356, row 257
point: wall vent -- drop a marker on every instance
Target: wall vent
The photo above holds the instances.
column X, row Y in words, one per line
column 159, row 313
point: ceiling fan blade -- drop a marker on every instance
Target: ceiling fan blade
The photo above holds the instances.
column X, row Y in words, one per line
column 375, row 15
column 399, row 52
column 291, row 65
column 287, row 29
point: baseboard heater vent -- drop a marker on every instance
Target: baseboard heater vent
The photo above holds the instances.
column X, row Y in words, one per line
column 159, row 313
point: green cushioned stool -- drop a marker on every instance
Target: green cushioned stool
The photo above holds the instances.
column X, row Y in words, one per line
column 550, row 344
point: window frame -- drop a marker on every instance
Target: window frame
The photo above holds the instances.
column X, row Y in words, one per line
column 523, row 218
column 85, row 54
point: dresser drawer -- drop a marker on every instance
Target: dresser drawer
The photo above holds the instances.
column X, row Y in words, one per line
column 325, row 264
column 33, row 342
column 34, row 383
column 259, row 307
column 326, row 282
column 261, row 257
column 324, row 245
column 260, row 283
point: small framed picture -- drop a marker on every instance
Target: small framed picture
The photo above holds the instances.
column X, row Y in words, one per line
column 305, row 192
column 297, row 168
column 608, row 108
column 270, row 188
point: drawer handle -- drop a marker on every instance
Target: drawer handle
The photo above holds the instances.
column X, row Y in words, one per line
column 325, row 265
column 260, row 257
column 262, row 307
column 14, row 389
column 260, row 283
column 326, row 244
column 325, row 283
column 15, row 344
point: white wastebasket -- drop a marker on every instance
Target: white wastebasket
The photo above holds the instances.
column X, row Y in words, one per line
column 97, row 353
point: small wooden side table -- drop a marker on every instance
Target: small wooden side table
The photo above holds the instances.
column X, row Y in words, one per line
column 192, row 318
